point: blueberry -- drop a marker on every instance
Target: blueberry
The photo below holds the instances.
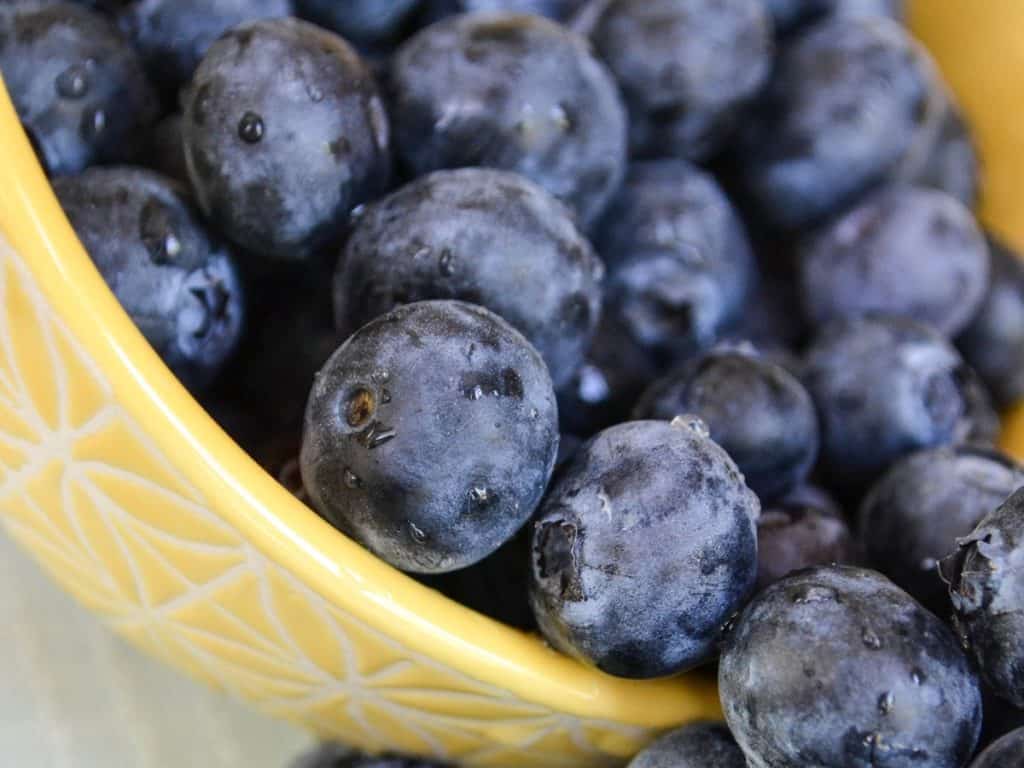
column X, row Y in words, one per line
column 680, row 264
column 699, row 745
column 284, row 134
column 1008, row 751
column 642, row 549
column 884, row 388
column 167, row 154
column 430, row 435
column 481, row 235
column 905, row 251
column 604, row 390
column 800, row 530
column 686, row 68
column 1000, row 718
column 330, row 755
column 515, row 92
column 791, row 14
column 178, row 284
column 914, row 514
column 359, row 21
column 757, row 411
column 994, row 341
column 78, row 87
column 560, row 10
column 836, row 666
column 849, row 106
column 986, row 585
column 953, row 165
column 173, row 35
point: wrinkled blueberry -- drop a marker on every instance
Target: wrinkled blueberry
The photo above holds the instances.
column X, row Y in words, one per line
column 800, row 530
column 757, row 411
column 642, row 549
column 78, row 87
column 790, row 14
column 836, row 666
column 359, row 21
column 994, row 341
column 686, row 68
column 847, row 108
column 905, row 251
column 284, row 134
column 680, row 265
column 953, row 165
column 1005, row 753
column 885, row 387
column 515, row 92
column 173, row 35
column 481, row 235
column 430, row 435
column 986, row 585
column 914, row 514
column 700, row 745
column 178, row 284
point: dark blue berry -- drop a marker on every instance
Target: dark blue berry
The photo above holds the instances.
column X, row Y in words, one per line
column 166, row 153
column 789, row 15
column 643, row 548
column 953, row 165
column 480, row 235
column 177, row 283
column 430, row 435
column 284, row 134
column 363, row 22
column 515, row 92
column 836, row 666
column 1007, row 752
column 699, row 745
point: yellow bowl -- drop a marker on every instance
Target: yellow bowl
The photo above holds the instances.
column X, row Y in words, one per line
column 138, row 504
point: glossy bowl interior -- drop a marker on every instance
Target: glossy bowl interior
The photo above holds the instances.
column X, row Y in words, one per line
column 139, row 504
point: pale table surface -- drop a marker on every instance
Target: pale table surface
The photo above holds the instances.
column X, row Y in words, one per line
column 73, row 695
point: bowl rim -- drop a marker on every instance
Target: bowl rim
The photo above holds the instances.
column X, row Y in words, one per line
column 270, row 518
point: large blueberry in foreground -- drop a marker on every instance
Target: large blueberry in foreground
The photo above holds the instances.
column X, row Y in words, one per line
column 800, row 530
column 914, row 514
column 885, row 387
column 284, row 134
column 994, row 341
column 848, row 107
column 699, row 745
column 756, row 410
column 682, row 90
column 481, row 235
column 430, row 435
column 78, row 87
column 907, row 251
column 515, row 92
column 986, row 585
column 836, row 666
column 643, row 548
column 1008, row 752
column 680, row 264
column 173, row 35
column 178, row 284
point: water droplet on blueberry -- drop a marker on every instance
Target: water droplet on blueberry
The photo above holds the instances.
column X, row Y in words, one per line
column 378, row 123
column 94, row 122
column 73, row 82
column 693, row 423
column 417, row 533
column 250, row 128
column 446, row 263
column 886, row 702
column 351, row 479
column 157, row 232
column 871, row 639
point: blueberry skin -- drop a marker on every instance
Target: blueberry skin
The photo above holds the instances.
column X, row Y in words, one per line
column 1008, row 751
column 481, row 235
column 884, row 388
column 177, row 283
column 914, row 514
column 994, row 341
column 953, row 165
column 359, row 21
column 699, row 745
column 852, row 103
column 430, row 435
column 682, row 93
column 680, row 265
column 515, row 92
column 986, row 585
column 803, row 529
column 643, row 548
column 173, row 35
column 284, row 134
column 836, row 666
column 78, row 87
column 756, row 410
column 791, row 14
column 904, row 250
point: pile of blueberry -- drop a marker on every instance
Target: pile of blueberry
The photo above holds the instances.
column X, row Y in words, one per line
column 651, row 325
